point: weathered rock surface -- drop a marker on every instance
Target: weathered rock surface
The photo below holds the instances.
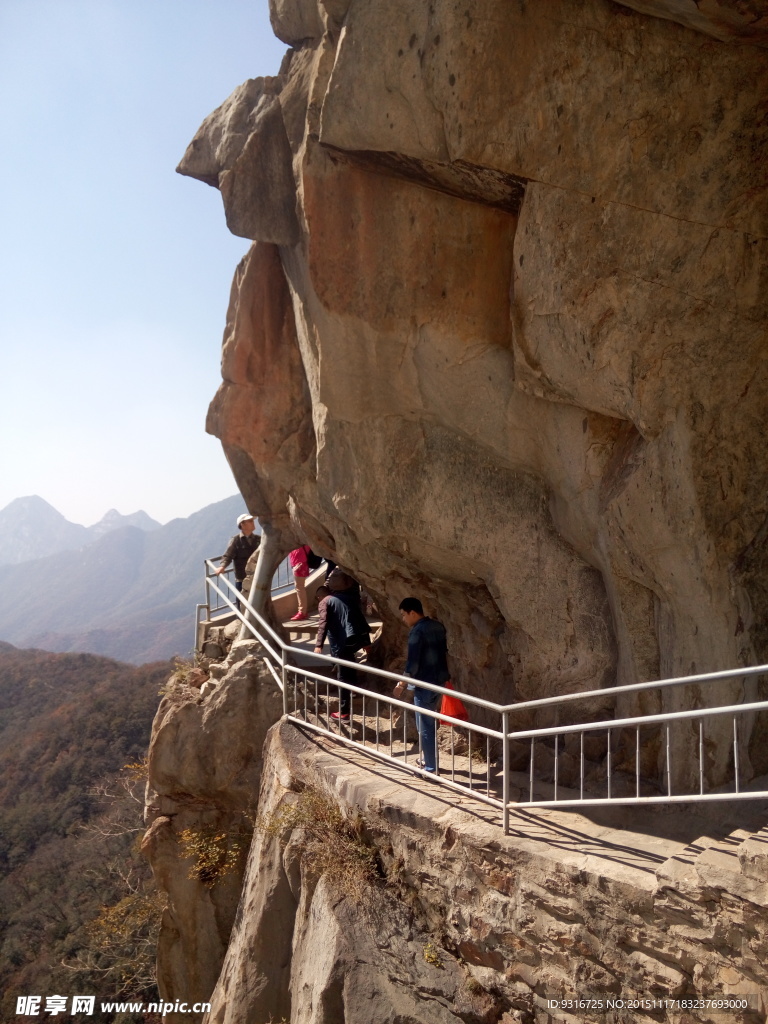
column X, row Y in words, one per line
column 473, row 926
column 204, row 774
column 745, row 21
column 501, row 339
column 500, row 342
column 462, row 924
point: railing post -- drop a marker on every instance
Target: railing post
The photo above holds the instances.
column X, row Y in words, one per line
column 284, row 677
column 669, row 766
column 505, row 770
column 735, row 755
column 701, row 756
column 198, row 639
column 199, row 634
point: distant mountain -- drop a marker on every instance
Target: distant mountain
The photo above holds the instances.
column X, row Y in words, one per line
column 131, row 594
column 26, row 521
column 113, row 520
column 30, row 527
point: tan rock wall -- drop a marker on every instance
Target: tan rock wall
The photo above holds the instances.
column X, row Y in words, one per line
column 524, row 250
column 204, row 774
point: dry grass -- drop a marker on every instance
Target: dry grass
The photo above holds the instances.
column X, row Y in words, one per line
column 335, row 846
column 214, row 852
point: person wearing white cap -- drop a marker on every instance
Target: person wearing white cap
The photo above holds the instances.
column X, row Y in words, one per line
column 240, row 548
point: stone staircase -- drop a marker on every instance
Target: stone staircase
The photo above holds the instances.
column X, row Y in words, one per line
column 302, row 634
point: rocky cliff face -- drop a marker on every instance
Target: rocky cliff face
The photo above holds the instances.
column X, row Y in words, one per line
column 501, row 338
column 204, row 775
column 372, row 898
column 466, row 925
column 500, row 342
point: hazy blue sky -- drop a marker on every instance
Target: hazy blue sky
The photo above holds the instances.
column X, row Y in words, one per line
column 115, row 270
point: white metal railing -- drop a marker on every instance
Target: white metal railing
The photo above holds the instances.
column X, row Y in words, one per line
column 282, row 581
column 283, row 578
column 481, row 762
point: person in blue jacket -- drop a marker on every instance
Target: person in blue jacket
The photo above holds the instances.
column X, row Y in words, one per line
column 428, row 662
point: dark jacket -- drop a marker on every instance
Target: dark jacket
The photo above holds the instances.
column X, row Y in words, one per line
column 341, row 618
column 428, row 652
column 239, row 550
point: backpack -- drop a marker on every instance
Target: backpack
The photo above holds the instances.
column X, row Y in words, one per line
column 313, row 561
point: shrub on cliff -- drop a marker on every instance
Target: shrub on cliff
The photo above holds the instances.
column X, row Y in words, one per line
column 333, row 845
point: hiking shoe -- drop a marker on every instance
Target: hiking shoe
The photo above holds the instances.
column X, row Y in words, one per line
column 337, row 716
column 298, row 617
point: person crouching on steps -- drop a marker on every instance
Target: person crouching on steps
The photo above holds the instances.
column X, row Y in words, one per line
column 428, row 662
column 341, row 619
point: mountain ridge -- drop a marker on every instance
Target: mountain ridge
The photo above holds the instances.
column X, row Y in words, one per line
column 130, row 594
column 24, row 521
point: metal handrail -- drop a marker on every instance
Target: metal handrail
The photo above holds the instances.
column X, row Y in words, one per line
column 520, row 705
column 542, row 702
column 265, row 625
column 626, row 723
column 329, row 659
column 283, row 577
column 396, row 703
column 707, row 677
column 303, row 688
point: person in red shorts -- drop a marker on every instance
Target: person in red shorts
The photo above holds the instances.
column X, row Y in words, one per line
column 300, row 567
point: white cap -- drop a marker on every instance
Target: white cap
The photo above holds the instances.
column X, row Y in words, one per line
column 243, row 517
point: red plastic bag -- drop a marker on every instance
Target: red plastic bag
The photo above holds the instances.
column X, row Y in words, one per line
column 452, row 706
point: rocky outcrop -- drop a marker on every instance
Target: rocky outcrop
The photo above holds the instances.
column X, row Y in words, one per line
column 466, row 925
column 501, row 338
column 500, row 341
column 204, row 775
column 450, row 920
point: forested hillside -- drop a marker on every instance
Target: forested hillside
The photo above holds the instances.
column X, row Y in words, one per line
column 69, row 723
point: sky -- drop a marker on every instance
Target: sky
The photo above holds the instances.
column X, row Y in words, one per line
column 114, row 270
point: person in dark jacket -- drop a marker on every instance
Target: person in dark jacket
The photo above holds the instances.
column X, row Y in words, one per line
column 428, row 662
column 341, row 619
column 240, row 549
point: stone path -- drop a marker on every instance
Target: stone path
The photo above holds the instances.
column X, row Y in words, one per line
column 676, row 842
column 649, row 847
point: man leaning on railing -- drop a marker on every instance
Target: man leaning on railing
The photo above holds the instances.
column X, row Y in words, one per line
column 240, row 549
column 428, row 662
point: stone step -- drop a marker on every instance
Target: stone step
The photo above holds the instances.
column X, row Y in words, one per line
column 736, row 863
column 303, row 633
column 753, row 855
